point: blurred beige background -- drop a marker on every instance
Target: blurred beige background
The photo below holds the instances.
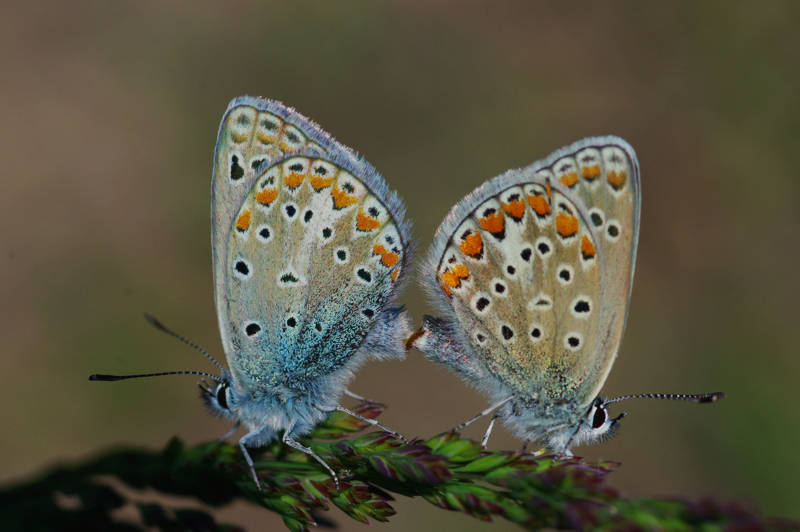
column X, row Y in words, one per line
column 109, row 116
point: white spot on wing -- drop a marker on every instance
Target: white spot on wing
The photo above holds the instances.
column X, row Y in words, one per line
column 613, row 230
column 480, row 303
column 289, row 278
column 242, row 269
column 341, row 255
column 544, row 247
column 573, row 341
column 506, row 333
column 292, row 140
column 498, row 287
column 264, row 233
column 536, row 333
column 565, row 274
column 541, row 302
column 581, row 307
column 289, row 211
column 597, row 217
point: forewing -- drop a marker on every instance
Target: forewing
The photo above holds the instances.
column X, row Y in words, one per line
column 526, row 267
column 604, row 174
column 254, row 133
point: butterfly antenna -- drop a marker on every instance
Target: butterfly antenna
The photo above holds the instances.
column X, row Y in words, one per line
column 693, row 397
column 161, row 327
column 110, row 378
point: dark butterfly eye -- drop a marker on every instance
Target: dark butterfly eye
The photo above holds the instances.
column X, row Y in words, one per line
column 222, row 396
column 599, row 418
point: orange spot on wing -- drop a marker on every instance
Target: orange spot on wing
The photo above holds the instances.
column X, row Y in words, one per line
column 293, row 180
column 238, row 138
column 548, row 189
column 569, row 179
column 494, row 223
column 516, row 209
column 388, row 258
column 566, row 225
column 320, row 182
column 286, row 148
column 243, row 222
column 263, row 138
column 451, row 278
column 472, row 244
column 395, row 273
column 267, row 196
column 364, row 222
column 587, row 248
column 539, row 205
column 616, row 179
column 590, row 172
column 446, row 289
column 460, row 270
column 341, row 198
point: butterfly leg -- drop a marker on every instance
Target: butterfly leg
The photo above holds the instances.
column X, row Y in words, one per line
column 485, row 438
column 477, row 416
column 228, row 434
column 565, row 451
column 243, row 446
column 357, row 397
column 287, row 439
column 372, row 422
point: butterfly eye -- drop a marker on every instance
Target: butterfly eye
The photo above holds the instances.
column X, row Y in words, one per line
column 222, row 396
column 599, row 418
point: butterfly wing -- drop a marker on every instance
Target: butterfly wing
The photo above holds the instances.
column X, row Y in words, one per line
column 533, row 276
column 609, row 185
column 314, row 251
column 253, row 132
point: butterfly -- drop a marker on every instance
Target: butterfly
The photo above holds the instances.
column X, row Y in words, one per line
column 310, row 249
column 532, row 273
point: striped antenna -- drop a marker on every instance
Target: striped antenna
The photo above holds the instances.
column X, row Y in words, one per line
column 693, row 398
column 161, row 327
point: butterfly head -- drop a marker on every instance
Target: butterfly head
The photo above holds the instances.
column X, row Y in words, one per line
column 597, row 425
column 219, row 397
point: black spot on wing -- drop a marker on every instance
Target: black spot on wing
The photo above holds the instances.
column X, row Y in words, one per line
column 237, row 172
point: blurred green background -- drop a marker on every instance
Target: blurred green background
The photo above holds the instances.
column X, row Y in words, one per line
column 109, row 116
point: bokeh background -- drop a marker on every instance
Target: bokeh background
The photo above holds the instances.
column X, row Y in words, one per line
column 109, row 115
